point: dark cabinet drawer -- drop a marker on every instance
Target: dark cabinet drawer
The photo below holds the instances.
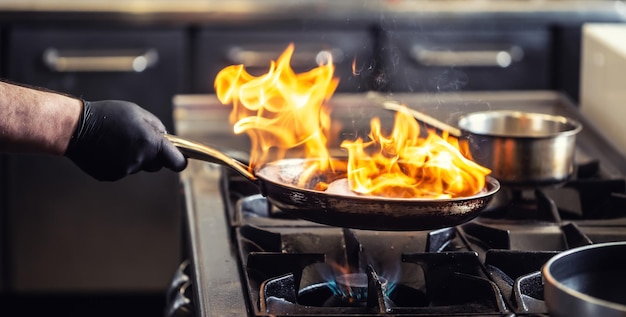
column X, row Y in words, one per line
column 256, row 48
column 143, row 66
column 68, row 231
column 457, row 60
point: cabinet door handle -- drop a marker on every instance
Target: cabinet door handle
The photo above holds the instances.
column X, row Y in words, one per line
column 100, row 60
column 469, row 58
column 262, row 58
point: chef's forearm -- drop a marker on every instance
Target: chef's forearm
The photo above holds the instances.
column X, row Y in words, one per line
column 36, row 121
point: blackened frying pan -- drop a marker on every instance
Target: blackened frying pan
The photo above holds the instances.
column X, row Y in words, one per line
column 278, row 182
column 588, row 280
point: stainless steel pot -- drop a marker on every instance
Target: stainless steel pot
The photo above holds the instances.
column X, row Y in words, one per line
column 587, row 281
column 522, row 149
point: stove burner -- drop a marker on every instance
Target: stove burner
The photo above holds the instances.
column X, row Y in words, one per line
column 464, row 293
column 345, row 290
column 427, row 278
column 516, row 205
column 352, row 287
column 581, row 199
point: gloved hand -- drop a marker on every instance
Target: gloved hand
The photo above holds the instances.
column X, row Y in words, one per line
column 115, row 138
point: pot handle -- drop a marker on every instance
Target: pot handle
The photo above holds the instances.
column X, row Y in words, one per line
column 198, row 151
column 419, row 116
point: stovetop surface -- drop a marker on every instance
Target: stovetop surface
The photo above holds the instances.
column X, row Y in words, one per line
column 250, row 259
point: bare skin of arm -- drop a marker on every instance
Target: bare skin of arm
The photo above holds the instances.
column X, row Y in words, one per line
column 36, row 121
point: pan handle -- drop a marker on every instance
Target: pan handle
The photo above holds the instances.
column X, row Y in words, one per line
column 198, row 151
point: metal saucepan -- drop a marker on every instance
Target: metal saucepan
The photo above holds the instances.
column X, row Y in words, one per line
column 587, row 281
column 522, row 149
column 278, row 182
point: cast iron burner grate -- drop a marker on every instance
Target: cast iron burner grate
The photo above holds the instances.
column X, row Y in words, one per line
column 425, row 277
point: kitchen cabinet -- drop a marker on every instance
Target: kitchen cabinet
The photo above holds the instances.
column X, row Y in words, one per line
column 468, row 58
column 67, row 231
column 567, row 41
column 255, row 48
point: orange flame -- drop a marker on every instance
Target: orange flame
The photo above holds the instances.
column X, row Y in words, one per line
column 282, row 111
column 406, row 165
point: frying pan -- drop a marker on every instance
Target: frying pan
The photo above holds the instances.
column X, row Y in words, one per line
column 587, row 281
column 278, row 182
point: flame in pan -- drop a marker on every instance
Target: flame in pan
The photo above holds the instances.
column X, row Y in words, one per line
column 405, row 164
column 282, row 111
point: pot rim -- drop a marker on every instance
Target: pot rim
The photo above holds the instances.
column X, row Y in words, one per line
column 575, row 125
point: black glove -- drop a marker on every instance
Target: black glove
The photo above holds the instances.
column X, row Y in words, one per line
column 117, row 138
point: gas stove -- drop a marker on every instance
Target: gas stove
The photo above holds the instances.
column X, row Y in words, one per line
column 244, row 257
